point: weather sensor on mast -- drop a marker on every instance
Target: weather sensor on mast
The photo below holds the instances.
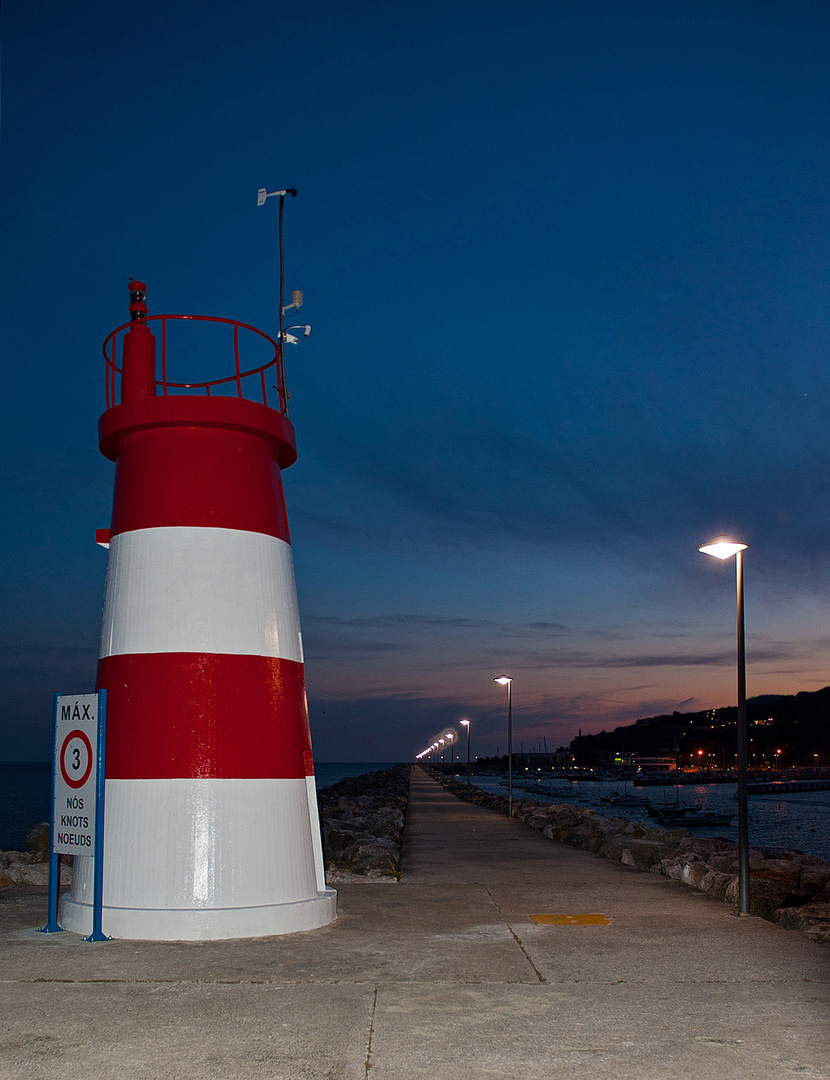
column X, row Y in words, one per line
column 262, row 194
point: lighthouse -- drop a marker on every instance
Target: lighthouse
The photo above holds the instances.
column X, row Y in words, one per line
column 212, row 828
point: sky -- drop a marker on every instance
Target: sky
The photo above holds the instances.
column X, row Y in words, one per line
column 567, row 267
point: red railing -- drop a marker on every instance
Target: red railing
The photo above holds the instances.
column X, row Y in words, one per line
column 253, row 377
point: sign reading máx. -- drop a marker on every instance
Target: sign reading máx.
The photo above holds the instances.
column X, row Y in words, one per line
column 76, row 754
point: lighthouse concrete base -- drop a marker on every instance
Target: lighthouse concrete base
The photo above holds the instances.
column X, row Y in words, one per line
column 143, row 924
column 206, row 859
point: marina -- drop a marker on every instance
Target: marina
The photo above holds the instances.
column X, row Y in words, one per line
column 781, row 816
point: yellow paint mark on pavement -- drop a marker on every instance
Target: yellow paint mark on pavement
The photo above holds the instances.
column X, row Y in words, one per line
column 592, row 919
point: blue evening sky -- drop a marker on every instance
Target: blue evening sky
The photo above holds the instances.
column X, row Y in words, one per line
column 568, row 270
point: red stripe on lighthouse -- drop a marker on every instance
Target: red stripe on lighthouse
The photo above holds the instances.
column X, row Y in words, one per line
column 198, row 461
column 192, row 715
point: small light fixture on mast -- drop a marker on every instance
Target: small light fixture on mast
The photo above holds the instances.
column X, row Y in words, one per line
column 292, row 339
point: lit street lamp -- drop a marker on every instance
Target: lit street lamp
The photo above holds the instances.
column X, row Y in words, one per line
column 505, row 680
column 449, row 736
column 466, row 724
column 724, row 548
column 443, row 752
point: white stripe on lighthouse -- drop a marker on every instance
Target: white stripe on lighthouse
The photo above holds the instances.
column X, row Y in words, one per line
column 184, row 863
column 201, row 590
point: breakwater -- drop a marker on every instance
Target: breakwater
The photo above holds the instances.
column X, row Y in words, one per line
column 785, row 787
column 362, row 819
column 31, row 867
column 786, row 887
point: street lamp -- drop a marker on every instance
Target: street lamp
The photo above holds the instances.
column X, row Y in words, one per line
column 449, row 736
column 466, row 724
column 505, row 680
column 723, row 548
column 443, row 751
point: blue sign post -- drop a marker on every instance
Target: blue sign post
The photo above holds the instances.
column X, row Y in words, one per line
column 78, row 787
column 52, row 925
column 98, row 878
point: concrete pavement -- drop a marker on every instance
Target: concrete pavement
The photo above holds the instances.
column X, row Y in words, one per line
column 445, row 975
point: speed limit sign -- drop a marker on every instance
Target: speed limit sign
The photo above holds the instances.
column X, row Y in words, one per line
column 76, row 752
column 78, row 771
column 76, row 758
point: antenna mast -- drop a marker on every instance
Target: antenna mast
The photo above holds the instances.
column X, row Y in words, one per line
column 261, row 196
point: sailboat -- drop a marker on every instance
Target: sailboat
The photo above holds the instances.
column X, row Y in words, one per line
column 688, row 816
column 624, row 799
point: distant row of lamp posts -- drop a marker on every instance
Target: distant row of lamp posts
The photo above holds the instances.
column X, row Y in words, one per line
column 441, row 744
column 721, row 548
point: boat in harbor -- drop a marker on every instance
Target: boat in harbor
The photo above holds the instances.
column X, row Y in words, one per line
column 568, row 791
column 625, row 800
column 628, row 802
column 688, row 817
column 680, row 816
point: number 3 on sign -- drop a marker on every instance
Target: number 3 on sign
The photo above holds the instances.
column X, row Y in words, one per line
column 76, row 758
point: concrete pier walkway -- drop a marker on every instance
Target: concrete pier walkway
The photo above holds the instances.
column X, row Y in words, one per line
column 445, row 975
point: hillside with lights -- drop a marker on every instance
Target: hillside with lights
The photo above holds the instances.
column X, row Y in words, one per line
column 785, row 731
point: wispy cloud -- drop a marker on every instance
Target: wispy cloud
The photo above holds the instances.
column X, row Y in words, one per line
column 399, row 621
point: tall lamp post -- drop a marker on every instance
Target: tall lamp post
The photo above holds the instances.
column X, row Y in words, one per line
column 724, row 548
column 443, row 752
column 466, row 724
column 449, row 736
column 505, row 680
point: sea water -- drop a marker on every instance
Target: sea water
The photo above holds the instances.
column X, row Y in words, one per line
column 796, row 822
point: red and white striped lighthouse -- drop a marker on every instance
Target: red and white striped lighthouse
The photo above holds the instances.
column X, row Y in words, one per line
column 211, row 811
